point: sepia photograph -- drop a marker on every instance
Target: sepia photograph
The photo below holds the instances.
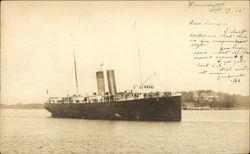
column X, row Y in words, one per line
column 124, row 77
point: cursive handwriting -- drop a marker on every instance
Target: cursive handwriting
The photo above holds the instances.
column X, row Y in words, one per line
column 215, row 7
column 222, row 54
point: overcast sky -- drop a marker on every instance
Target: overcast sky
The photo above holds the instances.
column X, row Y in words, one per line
column 37, row 47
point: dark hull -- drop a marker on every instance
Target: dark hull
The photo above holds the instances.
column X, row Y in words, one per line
column 153, row 109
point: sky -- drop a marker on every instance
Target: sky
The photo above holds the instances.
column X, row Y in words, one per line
column 38, row 40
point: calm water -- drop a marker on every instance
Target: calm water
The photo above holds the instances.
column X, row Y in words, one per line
column 33, row 131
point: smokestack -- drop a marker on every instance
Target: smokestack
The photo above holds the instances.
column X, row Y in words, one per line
column 100, row 83
column 111, row 82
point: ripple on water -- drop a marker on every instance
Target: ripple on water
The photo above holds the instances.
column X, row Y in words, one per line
column 33, row 131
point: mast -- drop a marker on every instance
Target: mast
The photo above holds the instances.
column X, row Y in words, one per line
column 139, row 61
column 77, row 92
column 139, row 54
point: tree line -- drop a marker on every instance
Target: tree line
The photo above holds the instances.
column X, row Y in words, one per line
column 215, row 99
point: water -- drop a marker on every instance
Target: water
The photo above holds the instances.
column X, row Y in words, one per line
column 34, row 131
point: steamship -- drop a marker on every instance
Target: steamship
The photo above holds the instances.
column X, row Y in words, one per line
column 143, row 102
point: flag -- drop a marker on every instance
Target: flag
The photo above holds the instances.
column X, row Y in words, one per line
column 47, row 91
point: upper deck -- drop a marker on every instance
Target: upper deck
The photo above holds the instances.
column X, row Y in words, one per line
column 120, row 96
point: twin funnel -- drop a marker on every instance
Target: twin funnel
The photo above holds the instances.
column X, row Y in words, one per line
column 101, row 83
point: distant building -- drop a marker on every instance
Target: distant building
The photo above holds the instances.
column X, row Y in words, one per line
column 188, row 105
column 195, row 96
column 206, row 97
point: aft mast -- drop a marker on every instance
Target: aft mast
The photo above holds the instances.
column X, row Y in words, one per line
column 139, row 54
column 142, row 86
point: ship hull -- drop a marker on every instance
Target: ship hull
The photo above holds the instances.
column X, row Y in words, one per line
column 152, row 109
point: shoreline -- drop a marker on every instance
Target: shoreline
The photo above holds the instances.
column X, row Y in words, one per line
column 182, row 109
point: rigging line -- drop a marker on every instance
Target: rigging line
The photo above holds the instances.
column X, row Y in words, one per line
column 71, row 79
column 149, row 77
